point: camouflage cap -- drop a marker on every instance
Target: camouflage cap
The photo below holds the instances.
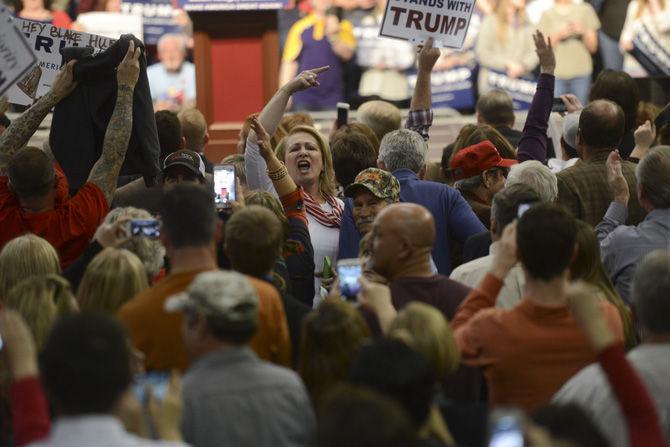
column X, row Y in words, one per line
column 380, row 183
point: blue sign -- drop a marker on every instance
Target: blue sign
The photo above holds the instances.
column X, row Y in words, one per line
column 521, row 90
column 232, row 5
column 159, row 17
column 451, row 88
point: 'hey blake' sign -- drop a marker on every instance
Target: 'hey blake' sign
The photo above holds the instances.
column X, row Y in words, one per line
column 446, row 21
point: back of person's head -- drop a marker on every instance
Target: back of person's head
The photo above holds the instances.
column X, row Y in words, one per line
column 253, row 241
column 403, row 149
column 653, row 177
column 618, row 87
column 352, row 153
column 31, row 173
column 360, row 128
column 537, row 176
column 601, row 125
column 396, row 370
column 25, row 256
column 546, row 236
column 113, row 277
column 291, row 120
column 194, row 129
column 646, row 111
column 506, row 203
column 85, row 364
column 150, row 250
column 570, row 423
column 472, row 134
column 425, row 329
column 41, row 300
column 240, row 167
column 569, row 135
column 495, row 108
column 188, row 216
column 651, row 292
column 332, row 335
column 354, row 416
column 445, row 161
column 380, row 116
column 269, row 201
column 170, row 137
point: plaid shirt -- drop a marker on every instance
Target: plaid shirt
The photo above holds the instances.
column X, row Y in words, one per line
column 584, row 191
column 420, row 121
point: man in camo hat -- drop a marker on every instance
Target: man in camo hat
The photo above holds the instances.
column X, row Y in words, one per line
column 372, row 190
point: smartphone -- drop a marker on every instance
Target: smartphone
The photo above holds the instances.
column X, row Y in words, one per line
column 349, row 272
column 144, row 227
column 342, row 114
column 1, row 343
column 663, row 118
column 506, row 427
column 522, row 209
column 224, row 185
column 559, row 106
column 157, row 381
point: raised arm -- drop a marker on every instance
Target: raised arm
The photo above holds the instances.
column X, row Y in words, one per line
column 533, row 143
column 420, row 114
column 282, row 182
column 105, row 171
column 22, row 128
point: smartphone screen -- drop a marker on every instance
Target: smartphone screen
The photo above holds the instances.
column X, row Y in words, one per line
column 559, row 106
column 349, row 271
column 224, row 185
column 144, row 227
column 157, row 381
column 342, row 114
column 506, row 430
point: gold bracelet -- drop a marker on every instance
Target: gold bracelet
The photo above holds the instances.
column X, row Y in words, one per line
column 278, row 174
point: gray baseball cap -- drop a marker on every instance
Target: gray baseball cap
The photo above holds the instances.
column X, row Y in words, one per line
column 570, row 128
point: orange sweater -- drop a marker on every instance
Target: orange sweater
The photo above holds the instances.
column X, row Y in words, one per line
column 527, row 352
column 158, row 333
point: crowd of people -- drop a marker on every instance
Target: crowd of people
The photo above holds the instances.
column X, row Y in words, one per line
column 520, row 302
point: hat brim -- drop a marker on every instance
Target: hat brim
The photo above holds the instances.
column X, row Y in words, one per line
column 507, row 163
column 351, row 190
column 177, row 303
column 186, row 165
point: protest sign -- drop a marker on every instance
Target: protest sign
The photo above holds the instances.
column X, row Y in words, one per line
column 452, row 88
column 111, row 24
column 446, row 21
column 159, row 17
column 45, row 41
column 232, row 5
column 16, row 57
column 521, row 90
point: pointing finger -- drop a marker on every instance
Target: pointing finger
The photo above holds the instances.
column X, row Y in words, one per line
column 320, row 69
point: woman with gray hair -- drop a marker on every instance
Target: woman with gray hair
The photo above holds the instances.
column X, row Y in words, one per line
column 536, row 175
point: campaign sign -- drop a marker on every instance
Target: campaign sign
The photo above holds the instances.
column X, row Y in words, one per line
column 159, row 17
column 452, row 88
column 16, row 57
column 45, row 41
column 232, row 5
column 521, row 90
column 111, row 24
column 446, row 21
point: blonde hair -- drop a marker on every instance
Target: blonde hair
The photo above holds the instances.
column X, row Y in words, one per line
column 327, row 175
column 25, row 256
column 150, row 251
column 41, row 300
column 113, row 277
column 502, row 22
column 425, row 329
column 193, row 128
column 642, row 5
column 380, row 116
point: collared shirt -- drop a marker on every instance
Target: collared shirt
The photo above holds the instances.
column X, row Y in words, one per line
column 98, row 431
column 590, row 390
column 472, row 273
column 584, row 191
column 623, row 247
column 453, row 216
column 233, row 398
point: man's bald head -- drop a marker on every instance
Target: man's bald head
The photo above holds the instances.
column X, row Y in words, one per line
column 601, row 125
column 410, row 221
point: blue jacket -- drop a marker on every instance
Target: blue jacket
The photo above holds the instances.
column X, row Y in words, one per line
column 453, row 216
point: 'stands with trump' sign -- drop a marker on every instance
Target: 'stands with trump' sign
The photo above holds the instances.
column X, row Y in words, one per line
column 45, row 41
column 446, row 21
column 16, row 57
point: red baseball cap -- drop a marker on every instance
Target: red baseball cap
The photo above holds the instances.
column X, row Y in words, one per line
column 473, row 160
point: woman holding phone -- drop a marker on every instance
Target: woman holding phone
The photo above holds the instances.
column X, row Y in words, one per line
column 307, row 160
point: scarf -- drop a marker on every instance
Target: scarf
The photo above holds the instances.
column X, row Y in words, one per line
column 332, row 219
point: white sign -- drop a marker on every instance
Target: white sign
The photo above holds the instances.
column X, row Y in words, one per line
column 45, row 41
column 446, row 21
column 16, row 57
column 111, row 24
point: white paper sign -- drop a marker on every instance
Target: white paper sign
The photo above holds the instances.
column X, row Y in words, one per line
column 16, row 57
column 446, row 21
column 112, row 24
column 45, row 41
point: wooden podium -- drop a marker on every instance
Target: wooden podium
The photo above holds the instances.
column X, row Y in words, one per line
column 237, row 58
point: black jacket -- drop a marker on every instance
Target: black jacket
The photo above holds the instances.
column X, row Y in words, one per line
column 80, row 120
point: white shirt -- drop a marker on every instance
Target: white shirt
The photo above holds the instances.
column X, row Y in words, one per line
column 325, row 241
column 472, row 273
column 95, row 430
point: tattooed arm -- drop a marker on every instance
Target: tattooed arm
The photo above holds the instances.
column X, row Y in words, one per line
column 105, row 171
column 22, row 128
